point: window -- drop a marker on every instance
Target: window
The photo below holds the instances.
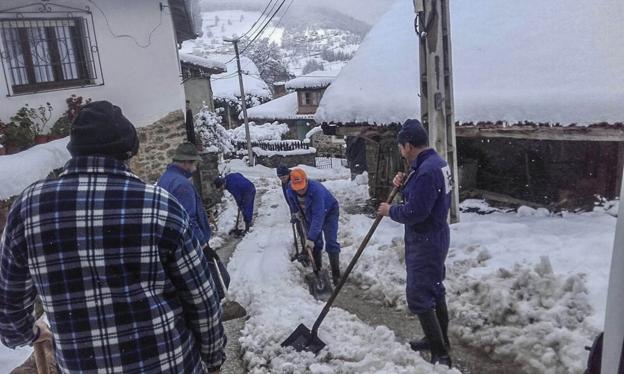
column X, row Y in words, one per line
column 311, row 98
column 46, row 54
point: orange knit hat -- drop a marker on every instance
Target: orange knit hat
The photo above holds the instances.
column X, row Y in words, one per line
column 298, row 179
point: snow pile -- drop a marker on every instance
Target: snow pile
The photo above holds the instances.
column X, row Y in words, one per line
column 312, row 132
column 313, row 80
column 260, row 133
column 203, row 62
column 226, row 86
column 271, row 287
column 526, row 287
column 20, row 170
column 282, row 108
column 521, row 72
column 214, row 137
column 610, row 207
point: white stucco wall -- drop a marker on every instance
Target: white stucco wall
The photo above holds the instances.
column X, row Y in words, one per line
column 144, row 81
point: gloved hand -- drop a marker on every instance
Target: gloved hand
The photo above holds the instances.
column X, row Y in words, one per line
column 294, row 218
column 210, row 253
column 309, row 244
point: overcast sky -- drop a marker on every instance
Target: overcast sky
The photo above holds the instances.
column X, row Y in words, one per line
column 365, row 10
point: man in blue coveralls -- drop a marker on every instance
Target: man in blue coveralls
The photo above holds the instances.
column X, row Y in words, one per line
column 320, row 213
column 243, row 191
column 424, row 211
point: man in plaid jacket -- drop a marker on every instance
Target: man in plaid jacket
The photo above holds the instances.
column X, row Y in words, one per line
column 123, row 281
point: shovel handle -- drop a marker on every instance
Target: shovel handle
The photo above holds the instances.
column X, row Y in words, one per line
column 40, row 358
column 355, row 259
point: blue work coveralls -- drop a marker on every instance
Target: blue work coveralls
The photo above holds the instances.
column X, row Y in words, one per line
column 321, row 213
column 244, row 192
column 426, row 203
column 175, row 180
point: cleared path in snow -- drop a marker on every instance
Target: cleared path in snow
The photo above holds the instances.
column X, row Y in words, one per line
column 276, row 297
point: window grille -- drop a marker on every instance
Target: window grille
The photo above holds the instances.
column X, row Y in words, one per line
column 44, row 49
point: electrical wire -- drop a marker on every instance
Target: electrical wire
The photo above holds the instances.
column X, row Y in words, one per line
column 264, row 15
column 263, row 28
column 120, row 36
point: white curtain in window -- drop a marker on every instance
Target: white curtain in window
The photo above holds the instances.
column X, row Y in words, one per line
column 40, row 55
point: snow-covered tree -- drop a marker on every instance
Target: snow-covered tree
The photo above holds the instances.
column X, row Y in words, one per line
column 312, row 65
column 213, row 135
column 270, row 61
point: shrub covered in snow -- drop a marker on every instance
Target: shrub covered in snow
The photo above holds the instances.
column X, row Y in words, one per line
column 214, row 137
column 260, row 133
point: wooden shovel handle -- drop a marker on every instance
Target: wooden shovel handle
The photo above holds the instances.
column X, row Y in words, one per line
column 40, row 358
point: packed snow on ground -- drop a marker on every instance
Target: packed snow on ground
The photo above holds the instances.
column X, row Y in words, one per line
column 336, row 172
column 272, row 289
column 525, row 285
column 521, row 72
column 20, row 170
column 260, row 133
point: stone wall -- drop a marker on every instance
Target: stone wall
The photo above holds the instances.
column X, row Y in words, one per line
column 209, row 169
column 290, row 161
column 158, row 143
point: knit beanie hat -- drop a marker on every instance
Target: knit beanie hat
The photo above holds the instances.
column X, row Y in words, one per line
column 100, row 129
column 413, row 133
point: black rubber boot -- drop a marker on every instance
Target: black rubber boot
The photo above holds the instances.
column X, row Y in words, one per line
column 334, row 261
column 433, row 333
column 318, row 259
column 443, row 318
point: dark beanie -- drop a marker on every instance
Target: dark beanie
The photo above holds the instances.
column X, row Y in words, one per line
column 218, row 182
column 413, row 133
column 100, row 129
column 282, row 171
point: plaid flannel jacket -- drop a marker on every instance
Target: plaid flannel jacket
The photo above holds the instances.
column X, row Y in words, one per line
column 123, row 282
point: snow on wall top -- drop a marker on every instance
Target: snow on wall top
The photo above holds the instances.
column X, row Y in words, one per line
column 315, row 79
column 556, row 61
column 22, row 169
column 282, row 108
column 203, row 62
column 226, row 86
column 260, row 133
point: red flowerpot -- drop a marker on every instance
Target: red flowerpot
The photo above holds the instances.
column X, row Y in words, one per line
column 41, row 139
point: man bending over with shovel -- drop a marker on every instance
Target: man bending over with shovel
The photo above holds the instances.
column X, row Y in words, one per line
column 320, row 213
column 244, row 193
column 426, row 201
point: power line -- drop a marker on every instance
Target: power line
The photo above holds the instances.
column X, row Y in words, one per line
column 281, row 19
column 260, row 17
column 263, row 28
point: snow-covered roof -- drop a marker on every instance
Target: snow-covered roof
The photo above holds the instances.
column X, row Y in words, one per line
column 226, row 86
column 216, row 66
column 315, row 79
column 555, row 61
column 22, row 169
column 282, row 108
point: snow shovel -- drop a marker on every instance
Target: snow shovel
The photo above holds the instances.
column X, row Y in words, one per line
column 231, row 309
column 320, row 286
column 296, row 255
column 302, row 339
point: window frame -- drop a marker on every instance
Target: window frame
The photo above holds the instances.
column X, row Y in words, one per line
column 84, row 61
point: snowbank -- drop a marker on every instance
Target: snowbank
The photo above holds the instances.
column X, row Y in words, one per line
column 525, row 286
column 315, row 79
column 513, row 61
column 295, row 152
column 260, row 133
column 203, row 62
column 20, row 170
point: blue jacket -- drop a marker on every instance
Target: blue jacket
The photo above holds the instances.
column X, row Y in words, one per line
column 239, row 187
column 319, row 203
column 426, row 203
column 176, row 181
column 286, row 190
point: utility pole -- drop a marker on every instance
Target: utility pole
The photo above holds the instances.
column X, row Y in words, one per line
column 436, row 85
column 250, row 157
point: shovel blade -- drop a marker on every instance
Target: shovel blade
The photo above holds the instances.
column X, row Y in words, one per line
column 302, row 340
